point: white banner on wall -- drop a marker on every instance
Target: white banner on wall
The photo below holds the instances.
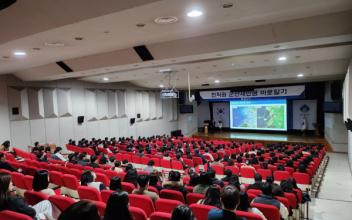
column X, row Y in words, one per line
column 221, row 112
column 304, row 114
column 283, row 91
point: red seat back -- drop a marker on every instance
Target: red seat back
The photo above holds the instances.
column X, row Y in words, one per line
column 193, row 198
column 234, row 169
column 28, row 180
column 281, row 175
column 101, row 177
column 248, row 215
column 10, row 215
column 201, row 211
column 70, row 181
column 128, row 187
column 89, row 193
column 256, row 192
column 219, row 170
column 247, row 172
column 292, row 199
column 105, row 194
column 165, row 163
column 160, row 216
column 56, row 178
column 177, row 165
column 61, row 202
column 101, row 206
column 33, row 197
column 166, row 205
column 301, row 178
column 172, row 194
column 142, row 201
column 265, row 173
column 18, row 180
column 137, row 213
column 269, row 211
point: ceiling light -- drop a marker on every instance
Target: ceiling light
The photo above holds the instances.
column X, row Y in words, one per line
column 166, row 20
column 165, row 70
column 20, row 53
column 300, row 75
column 217, row 81
column 161, row 86
column 283, row 58
column 106, row 79
column 54, row 44
column 194, row 13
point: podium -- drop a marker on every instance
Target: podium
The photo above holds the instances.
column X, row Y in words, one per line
column 206, row 125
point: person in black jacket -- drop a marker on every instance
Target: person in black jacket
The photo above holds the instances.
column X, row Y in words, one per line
column 4, row 165
column 257, row 182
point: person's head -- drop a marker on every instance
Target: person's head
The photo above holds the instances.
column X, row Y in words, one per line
column 269, row 179
column 117, row 163
column 257, row 177
column 302, row 168
column 6, row 144
column 40, row 180
column 267, row 189
column 2, row 157
column 143, row 181
column 117, row 207
column 204, row 179
column 174, row 176
column 153, row 179
column 57, row 150
column 87, row 177
column 212, row 197
column 182, row 212
column 5, row 187
column 230, row 197
column 280, row 167
column 112, row 159
column 93, row 159
column 151, row 163
column 115, row 183
column 83, row 209
column 228, row 173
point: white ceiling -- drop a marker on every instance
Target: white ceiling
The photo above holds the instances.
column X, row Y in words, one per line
column 244, row 35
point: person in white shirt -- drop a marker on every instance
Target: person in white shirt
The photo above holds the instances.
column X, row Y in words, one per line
column 88, row 179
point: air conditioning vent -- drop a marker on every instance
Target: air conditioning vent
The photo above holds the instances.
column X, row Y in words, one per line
column 260, row 80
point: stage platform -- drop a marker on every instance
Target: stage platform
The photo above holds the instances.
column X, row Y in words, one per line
column 262, row 137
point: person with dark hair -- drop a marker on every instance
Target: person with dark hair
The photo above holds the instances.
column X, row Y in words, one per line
column 115, row 184
column 228, row 176
column 267, row 198
column 214, row 180
column 131, row 176
column 154, row 180
column 83, row 209
column 212, row 197
column 5, row 165
column 82, row 159
column 143, row 183
column 5, row 146
column 194, row 177
column 117, row 207
column 93, row 161
column 41, row 182
column 280, row 167
column 88, row 179
column 117, row 166
column 289, row 163
column 57, row 154
column 174, row 182
column 302, row 168
column 150, row 166
column 257, row 182
column 270, row 179
column 9, row 201
column 182, row 212
column 230, row 198
column 204, row 183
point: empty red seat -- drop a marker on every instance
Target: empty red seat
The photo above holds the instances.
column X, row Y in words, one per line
column 142, row 201
column 105, row 194
column 166, row 205
column 256, row 192
column 219, row 170
column 201, row 211
column 197, row 161
column 284, row 201
column 269, row 211
column 70, row 181
column 248, row 215
column 56, row 178
column 177, row 165
column 165, row 163
column 89, row 193
column 110, row 173
column 292, row 200
column 18, row 180
column 247, row 172
column 301, row 178
column 136, row 159
column 160, row 216
column 193, row 198
column 128, row 187
column 172, row 194
column 234, row 169
column 28, row 180
column 10, row 215
column 188, row 162
column 101, row 177
column 137, row 213
column 281, row 175
column 33, row 197
column 61, row 202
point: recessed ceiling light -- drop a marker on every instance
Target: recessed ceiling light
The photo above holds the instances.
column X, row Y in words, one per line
column 194, row 13
column 232, row 64
column 54, row 44
column 161, row 86
column 300, row 75
column 283, row 58
column 165, row 70
column 106, row 79
column 217, row 81
column 19, row 53
column 166, row 20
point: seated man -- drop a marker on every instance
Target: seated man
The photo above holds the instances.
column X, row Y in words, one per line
column 230, row 198
column 143, row 183
column 268, row 199
column 257, row 182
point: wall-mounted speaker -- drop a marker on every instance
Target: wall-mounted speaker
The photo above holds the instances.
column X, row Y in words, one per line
column 138, row 115
column 132, row 121
column 15, row 111
column 80, row 119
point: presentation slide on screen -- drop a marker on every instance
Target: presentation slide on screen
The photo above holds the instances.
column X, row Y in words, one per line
column 259, row 114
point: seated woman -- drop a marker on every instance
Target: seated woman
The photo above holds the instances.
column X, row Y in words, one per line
column 9, row 201
column 117, row 207
column 203, row 183
column 182, row 212
column 41, row 182
column 81, row 210
column 115, row 184
column 131, row 176
column 212, row 197
column 174, row 182
column 117, row 166
column 88, row 179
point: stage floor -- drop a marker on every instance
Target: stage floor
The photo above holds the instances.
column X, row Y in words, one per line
column 262, row 137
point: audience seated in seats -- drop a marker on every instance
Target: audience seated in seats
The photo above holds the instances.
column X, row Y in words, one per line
column 117, row 207
column 203, row 184
column 57, row 154
column 41, row 182
column 194, row 177
column 131, row 175
column 80, row 210
column 268, row 199
column 277, row 191
column 150, row 166
column 212, row 197
column 257, row 182
column 230, row 199
column 115, row 184
column 174, row 182
column 182, row 212
column 93, row 162
column 103, row 159
column 154, row 180
column 117, row 167
column 5, row 165
column 6, row 146
column 228, row 176
column 214, row 180
column 206, row 153
column 143, row 183
column 82, row 159
column 9, row 201
column 88, row 179
column 111, row 161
